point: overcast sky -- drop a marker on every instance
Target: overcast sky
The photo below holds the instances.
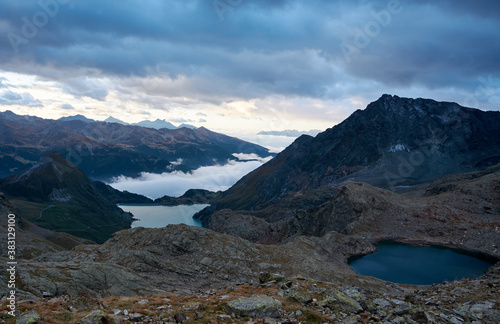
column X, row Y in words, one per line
column 241, row 66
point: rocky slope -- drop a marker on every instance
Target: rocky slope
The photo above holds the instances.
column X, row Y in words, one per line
column 278, row 299
column 190, row 197
column 393, row 143
column 32, row 240
column 57, row 195
column 460, row 210
column 104, row 150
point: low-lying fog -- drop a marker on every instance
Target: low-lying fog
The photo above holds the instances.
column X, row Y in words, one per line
column 214, row 178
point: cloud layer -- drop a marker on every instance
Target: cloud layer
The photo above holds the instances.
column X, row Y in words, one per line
column 175, row 184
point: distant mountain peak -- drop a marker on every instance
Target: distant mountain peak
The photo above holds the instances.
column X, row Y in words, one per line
column 77, row 117
column 112, row 119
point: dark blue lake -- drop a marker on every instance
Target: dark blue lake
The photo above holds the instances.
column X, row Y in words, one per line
column 405, row 264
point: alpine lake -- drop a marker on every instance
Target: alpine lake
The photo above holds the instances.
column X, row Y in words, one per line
column 156, row 216
column 419, row 265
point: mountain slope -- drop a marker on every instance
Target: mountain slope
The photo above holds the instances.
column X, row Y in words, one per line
column 393, row 143
column 57, row 195
column 104, row 150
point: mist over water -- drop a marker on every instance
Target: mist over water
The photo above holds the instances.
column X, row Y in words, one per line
column 214, row 178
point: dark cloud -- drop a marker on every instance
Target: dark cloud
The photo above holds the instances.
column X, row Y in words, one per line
column 293, row 48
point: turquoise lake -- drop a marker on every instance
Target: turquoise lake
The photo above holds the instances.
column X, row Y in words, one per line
column 155, row 216
column 405, row 264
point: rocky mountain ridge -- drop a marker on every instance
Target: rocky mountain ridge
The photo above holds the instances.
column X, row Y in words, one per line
column 105, row 150
column 395, row 143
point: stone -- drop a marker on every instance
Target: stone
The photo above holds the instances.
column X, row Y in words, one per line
column 265, row 277
column 299, row 295
column 180, row 317
column 337, row 300
column 135, row 317
column 255, row 306
column 30, row 317
column 47, row 294
column 84, row 302
column 143, row 302
column 94, row 317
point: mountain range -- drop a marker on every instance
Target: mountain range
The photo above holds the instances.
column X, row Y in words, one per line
column 104, row 150
column 156, row 124
column 395, row 143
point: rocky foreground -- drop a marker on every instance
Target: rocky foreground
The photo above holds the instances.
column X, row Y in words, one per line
column 273, row 298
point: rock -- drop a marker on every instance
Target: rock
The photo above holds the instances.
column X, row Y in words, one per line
column 135, row 317
column 30, row 317
column 84, row 302
column 143, row 302
column 47, row 294
column 180, row 317
column 298, row 313
column 299, row 295
column 337, row 300
column 265, row 277
column 117, row 312
column 95, row 317
column 255, row 306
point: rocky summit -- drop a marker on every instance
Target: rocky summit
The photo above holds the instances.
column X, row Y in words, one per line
column 394, row 143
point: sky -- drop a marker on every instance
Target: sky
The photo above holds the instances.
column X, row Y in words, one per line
column 241, row 66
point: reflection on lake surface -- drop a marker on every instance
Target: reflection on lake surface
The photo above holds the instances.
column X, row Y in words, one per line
column 155, row 216
column 404, row 264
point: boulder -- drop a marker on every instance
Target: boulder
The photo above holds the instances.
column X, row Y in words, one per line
column 337, row 300
column 255, row 306
column 265, row 277
column 299, row 295
column 94, row 317
column 30, row 317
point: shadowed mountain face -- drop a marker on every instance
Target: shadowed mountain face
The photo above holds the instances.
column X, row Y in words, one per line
column 57, row 195
column 104, row 150
column 393, row 143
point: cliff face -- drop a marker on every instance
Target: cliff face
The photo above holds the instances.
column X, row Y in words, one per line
column 394, row 143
